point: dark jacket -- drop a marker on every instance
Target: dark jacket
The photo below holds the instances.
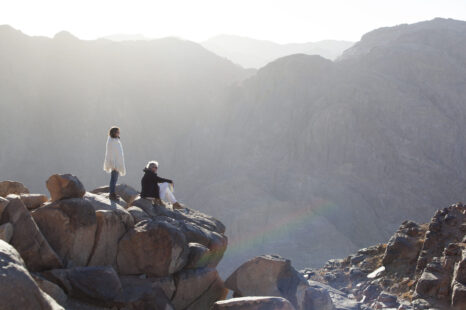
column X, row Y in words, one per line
column 149, row 186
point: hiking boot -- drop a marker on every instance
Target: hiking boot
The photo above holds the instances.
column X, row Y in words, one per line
column 178, row 206
column 113, row 196
column 158, row 201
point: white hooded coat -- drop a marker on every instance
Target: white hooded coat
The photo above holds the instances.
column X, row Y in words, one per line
column 114, row 157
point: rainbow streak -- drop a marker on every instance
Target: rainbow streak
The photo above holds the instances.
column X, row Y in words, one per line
column 292, row 222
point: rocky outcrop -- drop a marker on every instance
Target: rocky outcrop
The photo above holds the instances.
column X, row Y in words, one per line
column 254, row 303
column 63, row 186
column 17, row 288
column 88, row 253
column 421, row 267
column 12, row 187
column 269, row 275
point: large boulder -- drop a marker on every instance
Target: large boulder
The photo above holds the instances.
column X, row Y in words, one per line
column 109, row 231
column 269, row 275
column 254, row 303
column 149, row 293
column 98, row 283
column 33, row 201
column 6, row 232
column 3, row 204
column 126, row 192
column 101, row 203
column 156, row 248
column 153, row 298
column 215, row 243
column 198, row 256
column 17, row 288
column 142, row 284
column 317, row 298
column 52, row 289
column 138, row 214
column 112, row 223
column 12, row 187
column 187, row 215
column 193, row 285
column 340, row 300
column 70, row 227
column 28, row 239
column 62, row 186
column 403, row 248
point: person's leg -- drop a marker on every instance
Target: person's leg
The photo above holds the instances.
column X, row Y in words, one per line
column 113, row 181
column 165, row 192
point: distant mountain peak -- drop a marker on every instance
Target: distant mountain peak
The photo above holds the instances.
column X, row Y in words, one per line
column 388, row 36
column 65, row 35
column 253, row 53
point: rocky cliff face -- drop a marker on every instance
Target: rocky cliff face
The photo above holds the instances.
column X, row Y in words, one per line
column 80, row 250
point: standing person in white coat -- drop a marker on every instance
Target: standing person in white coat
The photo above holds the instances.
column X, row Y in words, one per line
column 114, row 159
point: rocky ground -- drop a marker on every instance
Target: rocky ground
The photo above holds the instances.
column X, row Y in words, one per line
column 80, row 250
column 421, row 267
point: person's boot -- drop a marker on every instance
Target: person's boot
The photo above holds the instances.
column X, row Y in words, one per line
column 113, row 196
column 178, row 206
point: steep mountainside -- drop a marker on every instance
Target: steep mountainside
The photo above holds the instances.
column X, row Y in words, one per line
column 339, row 153
column 251, row 53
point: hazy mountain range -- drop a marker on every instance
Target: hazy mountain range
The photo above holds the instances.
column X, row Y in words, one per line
column 307, row 157
column 252, row 53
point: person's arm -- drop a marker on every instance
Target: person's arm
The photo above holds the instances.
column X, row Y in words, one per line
column 162, row 180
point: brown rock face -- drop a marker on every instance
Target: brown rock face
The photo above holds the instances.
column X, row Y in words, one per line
column 98, row 283
column 317, row 298
column 254, row 303
column 268, row 276
column 6, row 232
column 12, row 187
column 138, row 284
column 70, row 226
column 198, row 256
column 52, row 289
column 101, row 203
column 28, row 239
column 110, row 229
column 18, row 289
column 3, row 203
column 192, row 286
column 403, row 248
column 62, row 186
column 33, row 201
column 138, row 214
column 156, row 248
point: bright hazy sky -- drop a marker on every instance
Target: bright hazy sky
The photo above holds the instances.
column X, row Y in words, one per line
column 280, row 21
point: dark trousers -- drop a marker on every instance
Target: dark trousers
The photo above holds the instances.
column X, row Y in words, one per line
column 113, row 181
